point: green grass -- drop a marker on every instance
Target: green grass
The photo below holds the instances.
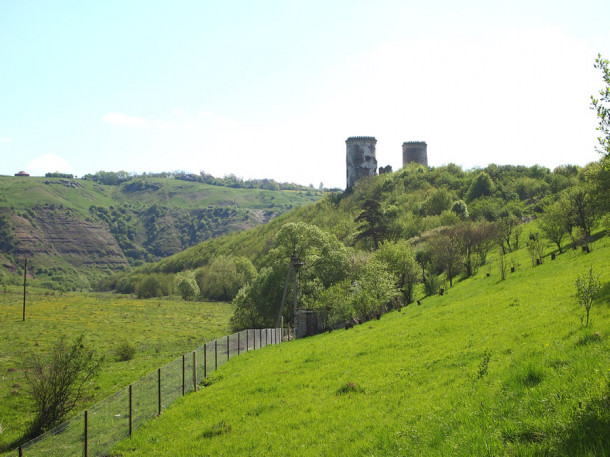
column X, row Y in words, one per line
column 160, row 330
column 491, row 368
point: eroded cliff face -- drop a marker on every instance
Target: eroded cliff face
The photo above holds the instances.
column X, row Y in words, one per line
column 53, row 233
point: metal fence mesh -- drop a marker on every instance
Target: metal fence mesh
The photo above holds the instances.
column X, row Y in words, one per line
column 109, row 421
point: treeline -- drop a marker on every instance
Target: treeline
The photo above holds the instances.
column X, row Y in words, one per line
column 395, row 234
column 115, row 178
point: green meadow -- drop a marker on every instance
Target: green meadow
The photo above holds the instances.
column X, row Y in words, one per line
column 491, row 368
column 160, row 330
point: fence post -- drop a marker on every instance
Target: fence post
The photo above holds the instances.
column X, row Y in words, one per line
column 254, row 339
column 205, row 360
column 228, row 348
column 183, row 368
column 247, row 340
column 20, row 451
column 159, row 373
column 130, row 409
column 238, row 351
column 282, row 329
column 86, row 433
column 260, row 338
column 195, row 370
column 216, row 354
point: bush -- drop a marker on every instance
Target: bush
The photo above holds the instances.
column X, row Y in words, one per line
column 188, row 288
column 56, row 383
column 125, row 351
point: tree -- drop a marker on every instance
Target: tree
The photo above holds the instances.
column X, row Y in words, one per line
column 188, row 288
column 325, row 262
column 587, row 288
column 374, row 288
column 446, row 252
column 580, row 209
column 373, row 224
column 482, row 186
column 602, row 107
column 336, row 303
column 475, row 240
column 553, row 224
column 535, row 247
column 399, row 260
column 55, row 384
column 439, row 201
column 222, row 279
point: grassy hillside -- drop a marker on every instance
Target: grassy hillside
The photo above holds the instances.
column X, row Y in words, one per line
column 75, row 231
column 160, row 330
column 491, row 368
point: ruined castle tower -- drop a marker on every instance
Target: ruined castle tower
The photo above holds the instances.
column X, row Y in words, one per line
column 414, row 151
column 361, row 160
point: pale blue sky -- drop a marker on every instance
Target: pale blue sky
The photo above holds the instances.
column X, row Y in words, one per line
column 274, row 88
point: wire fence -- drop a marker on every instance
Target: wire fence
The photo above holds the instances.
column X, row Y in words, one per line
column 98, row 429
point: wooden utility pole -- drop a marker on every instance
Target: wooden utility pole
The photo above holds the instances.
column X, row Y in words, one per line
column 25, row 275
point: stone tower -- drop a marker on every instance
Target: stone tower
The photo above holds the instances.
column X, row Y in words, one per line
column 361, row 160
column 414, row 151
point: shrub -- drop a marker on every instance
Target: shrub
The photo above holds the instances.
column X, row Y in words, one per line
column 587, row 288
column 125, row 351
column 188, row 288
column 56, row 383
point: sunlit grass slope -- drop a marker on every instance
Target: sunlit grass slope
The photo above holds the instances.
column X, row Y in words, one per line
column 491, row 368
column 160, row 330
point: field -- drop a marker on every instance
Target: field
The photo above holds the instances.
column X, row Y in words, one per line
column 160, row 330
column 491, row 368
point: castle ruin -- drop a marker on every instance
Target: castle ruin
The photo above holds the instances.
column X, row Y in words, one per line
column 415, row 151
column 361, row 160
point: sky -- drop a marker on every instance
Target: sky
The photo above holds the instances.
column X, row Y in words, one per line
column 272, row 89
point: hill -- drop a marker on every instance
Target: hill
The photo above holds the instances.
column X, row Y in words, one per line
column 412, row 205
column 492, row 368
column 76, row 231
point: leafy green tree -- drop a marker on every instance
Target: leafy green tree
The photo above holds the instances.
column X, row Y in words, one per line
column 602, row 106
column 336, row 303
column 399, row 260
column 587, row 288
column 440, row 200
column 580, row 209
column 372, row 222
column 188, row 288
column 258, row 302
column 482, row 186
column 554, row 224
column 325, row 262
column 374, row 289
column 222, row 279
